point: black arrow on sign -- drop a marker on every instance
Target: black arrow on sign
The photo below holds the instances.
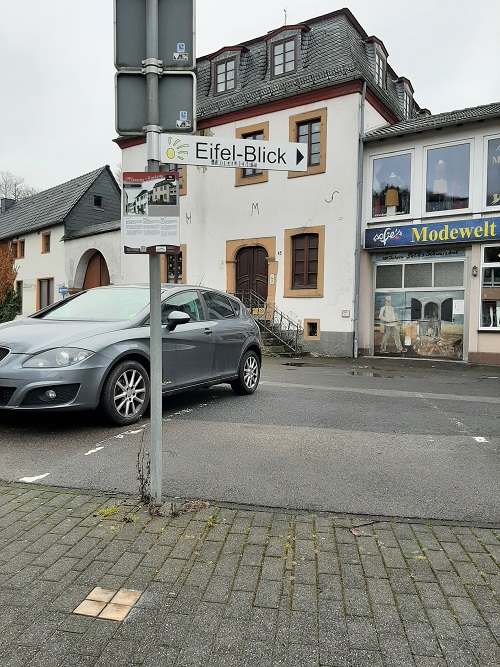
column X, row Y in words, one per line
column 300, row 157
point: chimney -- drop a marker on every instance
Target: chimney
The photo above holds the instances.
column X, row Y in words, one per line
column 5, row 204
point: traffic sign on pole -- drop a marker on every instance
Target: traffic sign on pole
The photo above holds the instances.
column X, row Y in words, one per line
column 176, row 34
column 236, row 153
column 176, row 98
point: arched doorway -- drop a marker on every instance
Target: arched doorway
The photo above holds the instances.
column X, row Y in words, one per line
column 97, row 273
column 252, row 270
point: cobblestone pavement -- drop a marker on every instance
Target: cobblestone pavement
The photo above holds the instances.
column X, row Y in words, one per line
column 224, row 586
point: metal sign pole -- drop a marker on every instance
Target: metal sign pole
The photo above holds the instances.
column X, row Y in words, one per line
column 153, row 148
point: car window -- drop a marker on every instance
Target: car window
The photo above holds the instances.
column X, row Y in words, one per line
column 122, row 303
column 185, row 302
column 218, row 305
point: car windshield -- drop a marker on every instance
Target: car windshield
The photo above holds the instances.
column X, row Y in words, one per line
column 122, row 303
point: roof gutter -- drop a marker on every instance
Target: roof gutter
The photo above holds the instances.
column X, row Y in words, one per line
column 359, row 220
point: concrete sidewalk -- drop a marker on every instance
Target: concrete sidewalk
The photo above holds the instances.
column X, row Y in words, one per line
column 222, row 586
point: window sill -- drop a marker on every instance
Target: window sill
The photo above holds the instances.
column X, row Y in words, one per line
column 488, row 330
column 391, row 219
column 303, row 293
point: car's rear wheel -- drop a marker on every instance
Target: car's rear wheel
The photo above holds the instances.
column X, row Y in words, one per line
column 125, row 393
column 248, row 374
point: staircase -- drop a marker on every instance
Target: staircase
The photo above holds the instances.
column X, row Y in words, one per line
column 281, row 336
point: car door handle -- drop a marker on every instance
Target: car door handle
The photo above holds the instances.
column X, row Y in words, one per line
column 208, row 331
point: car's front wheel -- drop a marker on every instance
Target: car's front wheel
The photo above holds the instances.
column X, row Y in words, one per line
column 248, row 374
column 125, row 393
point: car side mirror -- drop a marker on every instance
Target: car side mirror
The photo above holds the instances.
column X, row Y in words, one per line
column 175, row 318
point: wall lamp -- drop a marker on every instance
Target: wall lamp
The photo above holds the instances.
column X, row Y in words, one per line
column 474, row 271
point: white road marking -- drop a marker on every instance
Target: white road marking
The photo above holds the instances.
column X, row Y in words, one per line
column 33, row 479
column 98, row 446
column 93, row 451
column 479, row 439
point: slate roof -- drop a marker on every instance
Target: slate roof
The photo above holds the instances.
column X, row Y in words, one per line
column 91, row 230
column 333, row 49
column 427, row 123
column 46, row 208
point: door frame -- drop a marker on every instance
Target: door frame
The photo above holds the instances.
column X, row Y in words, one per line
column 232, row 249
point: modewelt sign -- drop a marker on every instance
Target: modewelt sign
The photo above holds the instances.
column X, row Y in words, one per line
column 237, row 153
column 465, row 231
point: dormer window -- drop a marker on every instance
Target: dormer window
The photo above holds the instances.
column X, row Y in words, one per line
column 284, row 59
column 380, row 68
column 225, row 78
column 407, row 103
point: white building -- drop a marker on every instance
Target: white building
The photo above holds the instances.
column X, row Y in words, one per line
column 290, row 237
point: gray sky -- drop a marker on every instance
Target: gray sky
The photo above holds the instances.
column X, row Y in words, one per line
column 57, row 73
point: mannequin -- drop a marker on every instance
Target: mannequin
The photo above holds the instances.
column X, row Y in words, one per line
column 392, row 194
column 440, row 182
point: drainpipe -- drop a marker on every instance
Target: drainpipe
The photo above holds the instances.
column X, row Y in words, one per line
column 357, row 252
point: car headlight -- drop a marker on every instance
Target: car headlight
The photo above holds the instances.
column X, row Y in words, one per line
column 59, row 357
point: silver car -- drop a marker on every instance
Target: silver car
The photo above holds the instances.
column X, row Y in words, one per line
column 91, row 350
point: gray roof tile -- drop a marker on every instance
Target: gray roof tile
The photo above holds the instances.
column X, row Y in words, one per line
column 46, row 208
column 91, row 230
column 334, row 50
column 427, row 123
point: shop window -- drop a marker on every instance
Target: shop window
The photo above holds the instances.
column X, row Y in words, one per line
column 304, row 262
column 284, row 58
column 310, row 129
column 490, row 287
column 174, row 267
column 391, row 185
column 45, row 292
column 448, row 172
column 389, row 276
column 45, row 242
column 493, row 173
column 225, row 75
column 249, row 176
column 418, row 275
column 448, row 274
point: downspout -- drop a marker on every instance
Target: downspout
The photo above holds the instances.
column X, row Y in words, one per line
column 357, row 251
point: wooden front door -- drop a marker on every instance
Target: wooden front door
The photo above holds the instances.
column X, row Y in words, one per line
column 97, row 273
column 251, row 270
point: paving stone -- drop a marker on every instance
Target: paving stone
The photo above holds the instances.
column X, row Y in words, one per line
column 465, row 611
column 268, row 594
column 458, row 654
column 230, row 635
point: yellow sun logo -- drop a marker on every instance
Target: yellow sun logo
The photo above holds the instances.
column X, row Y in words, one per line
column 174, row 152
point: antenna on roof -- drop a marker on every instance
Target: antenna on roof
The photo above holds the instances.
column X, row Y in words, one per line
column 285, row 12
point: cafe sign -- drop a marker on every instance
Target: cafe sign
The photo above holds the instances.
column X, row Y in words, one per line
column 465, row 231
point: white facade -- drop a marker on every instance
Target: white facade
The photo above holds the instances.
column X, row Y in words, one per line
column 38, row 265
column 219, row 217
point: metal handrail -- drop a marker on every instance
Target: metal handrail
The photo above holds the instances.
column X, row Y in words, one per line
column 272, row 320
